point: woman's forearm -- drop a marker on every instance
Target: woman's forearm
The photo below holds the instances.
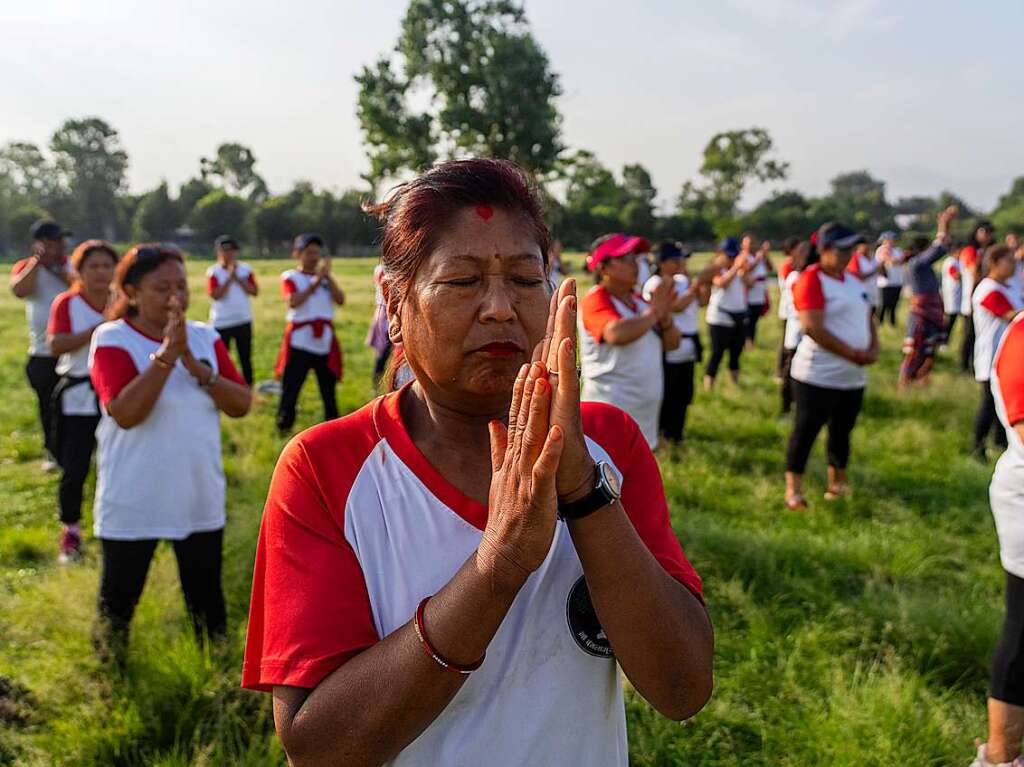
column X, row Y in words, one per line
column 61, row 343
column 628, row 329
column 377, row 703
column 670, row 338
column 232, row 399
column 660, row 632
column 135, row 402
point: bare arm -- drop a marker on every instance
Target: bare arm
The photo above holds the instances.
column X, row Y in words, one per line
column 628, row 329
column 23, row 284
column 299, row 297
column 722, row 279
column 222, row 289
column 61, row 343
column 136, row 400
column 337, row 294
column 232, row 399
column 670, row 336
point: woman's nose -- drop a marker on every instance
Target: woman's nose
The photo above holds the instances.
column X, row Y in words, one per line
column 497, row 302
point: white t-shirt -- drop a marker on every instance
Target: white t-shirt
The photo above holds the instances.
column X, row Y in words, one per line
column 847, row 316
column 894, row 272
column 1016, row 282
column 234, row 308
column 162, row 478
column 785, row 269
column 1006, row 493
column 37, row 304
column 867, row 270
column 628, row 376
column 72, row 313
column 952, row 288
column 319, row 306
column 643, row 271
column 732, row 298
column 685, row 321
column 757, row 294
column 968, row 260
column 359, row 527
column 793, row 333
column 991, row 301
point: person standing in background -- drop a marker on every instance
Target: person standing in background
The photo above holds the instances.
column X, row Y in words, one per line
column 994, row 306
column 309, row 341
column 970, row 265
column 727, row 311
column 952, row 291
column 230, row 283
column 377, row 335
column 865, row 267
column 74, row 317
column 1013, row 242
column 890, row 281
column 785, row 267
column 804, row 256
column 678, row 363
column 759, row 266
column 38, row 280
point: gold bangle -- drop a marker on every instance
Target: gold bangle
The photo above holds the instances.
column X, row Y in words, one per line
column 160, row 361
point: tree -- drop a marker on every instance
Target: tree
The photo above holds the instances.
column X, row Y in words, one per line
column 732, row 159
column 781, row 215
column 273, row 221
column 858, row 199
column 156, row 217
column 189, row 193
column 487, row 83
column 218, row 213
column 638, row 212
column 1009, row 212
column 21, row 220
column 233, row 169
column 29, row 173
column 89, row 158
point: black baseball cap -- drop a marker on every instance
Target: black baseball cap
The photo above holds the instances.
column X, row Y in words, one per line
column 833, row 235
column 730, row 246
column 226, row 241
column 305, row 240
column 48, row 229
column 669, row 250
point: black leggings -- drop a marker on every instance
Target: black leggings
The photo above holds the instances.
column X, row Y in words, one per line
column 1007, row 682
column 754, row 312
column 950, row 324
column 77, row 442
column 786, row 362
column 299, row 364
column 890, row 300
column 242, row 336
column 126, row 563
column 815, row 407
column 986, row 419
column 677, row 398
column 42, row 377
column 967, row 345
column 725, row 339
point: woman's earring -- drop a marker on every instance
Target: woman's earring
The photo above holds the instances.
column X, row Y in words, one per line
column 394, row 331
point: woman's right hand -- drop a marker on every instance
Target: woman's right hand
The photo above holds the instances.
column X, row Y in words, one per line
column 523, row 502
column 175, row 342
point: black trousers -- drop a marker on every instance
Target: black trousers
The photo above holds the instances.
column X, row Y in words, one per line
column 950, row 324
column 754, row 312
column 677, row 398
column 815, row 407
column 787, row 379
column 77, row 442
column 242, row 336
column 1007, row 682
column 126, row 563
column 299, row 364
column 42, row 377
column 725, row 339
column 890, row 300
column 967, row 345
column 986, row 419
column 780, row 360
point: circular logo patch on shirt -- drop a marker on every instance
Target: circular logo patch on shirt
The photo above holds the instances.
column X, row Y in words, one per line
column 583, row 622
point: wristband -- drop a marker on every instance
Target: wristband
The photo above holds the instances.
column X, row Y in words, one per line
column 214, row 377
column 447, row 665
column 160, row 362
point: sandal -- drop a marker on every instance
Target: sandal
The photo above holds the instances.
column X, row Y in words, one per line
column 837, row 491
column 796, row 502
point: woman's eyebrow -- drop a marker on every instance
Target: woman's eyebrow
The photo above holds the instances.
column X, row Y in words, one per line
column 511, row 257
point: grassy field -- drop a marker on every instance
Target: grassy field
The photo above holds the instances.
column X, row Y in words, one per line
column 854, row 634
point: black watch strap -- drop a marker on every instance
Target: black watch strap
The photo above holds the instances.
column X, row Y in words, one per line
column 598, row 497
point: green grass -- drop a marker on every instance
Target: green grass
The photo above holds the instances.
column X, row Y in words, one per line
column 854, row 634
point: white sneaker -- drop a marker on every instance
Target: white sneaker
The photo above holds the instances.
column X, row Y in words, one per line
column 982, row 760
column 49, row 464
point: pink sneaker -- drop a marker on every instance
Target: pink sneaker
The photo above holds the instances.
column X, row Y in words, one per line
column 70, row 545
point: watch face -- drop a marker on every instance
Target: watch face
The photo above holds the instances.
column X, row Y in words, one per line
column 610, row 479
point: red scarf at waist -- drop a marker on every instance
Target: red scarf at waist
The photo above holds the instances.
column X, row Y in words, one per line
column 318, row 325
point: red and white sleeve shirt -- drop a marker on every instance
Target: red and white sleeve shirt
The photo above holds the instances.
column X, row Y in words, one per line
column 359, row 527
column 992, row 301
column 968, row 263
column 49, row 285
column 162, row 478
column 1006, row 493
column 847, row 316
column 234, row 307
column 315, row 339
column 71, row 312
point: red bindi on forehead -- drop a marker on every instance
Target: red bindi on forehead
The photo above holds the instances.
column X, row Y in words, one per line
column 485, row 212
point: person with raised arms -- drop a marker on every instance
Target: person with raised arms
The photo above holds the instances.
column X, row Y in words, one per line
column 231, row 285
column 38, row 280
column 839, row 339
column 309, row 341
column 726, row 314
column 74, row 317
column 994, row 305
column 759, row 266
column 457, row 572
column 970, row 267
column 623, row 336
column 163, row 382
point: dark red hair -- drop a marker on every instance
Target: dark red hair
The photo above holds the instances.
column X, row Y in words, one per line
column 416, row 213
column 142, row 259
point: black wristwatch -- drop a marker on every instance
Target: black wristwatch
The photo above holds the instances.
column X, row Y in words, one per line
column 606, row 490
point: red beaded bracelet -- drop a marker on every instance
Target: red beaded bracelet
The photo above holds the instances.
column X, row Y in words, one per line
column 447, row 665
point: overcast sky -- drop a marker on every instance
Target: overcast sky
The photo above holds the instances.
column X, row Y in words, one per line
column 925, row 95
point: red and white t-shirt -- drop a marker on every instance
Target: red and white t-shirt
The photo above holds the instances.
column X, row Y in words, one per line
column 234, row 307
column 784, row 269
column 1006, row 493
column 685, row 321
column 757, row 293
column 628, row 376
column 162, row 478
column 952, row 287
column 865, row 268
column 968, row 264
column 727, row 303
column 992, row 300
column 359, row 527
column 847, row 316
column 49, row 285
column 71, row 312
column 793, row 332
column 319, row 306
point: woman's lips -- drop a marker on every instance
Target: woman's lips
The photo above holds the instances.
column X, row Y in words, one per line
column 501, row 349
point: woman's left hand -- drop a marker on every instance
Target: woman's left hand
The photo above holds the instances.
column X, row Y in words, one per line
column 558, row 353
